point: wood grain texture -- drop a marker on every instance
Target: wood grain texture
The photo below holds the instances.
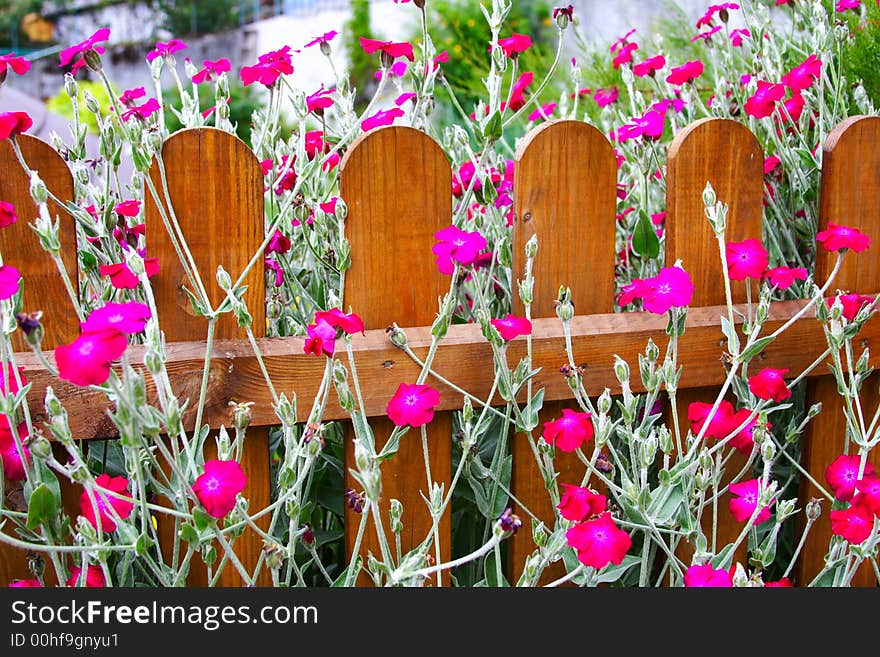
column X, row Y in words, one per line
column 565, row 192
column 726, row 154
column 215, row 186
column 849, row 197
column 43, row 287
column 397, row 184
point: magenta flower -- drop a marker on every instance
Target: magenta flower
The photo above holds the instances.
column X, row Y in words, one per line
column 570, row 431
column 327, row 37
column 685, row 73
column 707, row 35
column 854, row 524
column 9, row 281
column 544, row 112
column 166, row 49
column 320, row 100
column 402, row 98
column 278, row 243
column 672, row 287
column 622, row 41
column 770, row 384
column 9, row 376
column 707, row 576
column 579, row 503
column 783, row 583
column 868, row 495
column 350, row 323
column 13, row 467
column 381, row 118
column 218, row 486
column 517, row 96
column 843, row 474
column 321, row 339
column 840, row 238
column 852, row 304
column 743, row 505
column 707, row 18
column 25, row 584
column 128, row 208
column 763, row 102
column 843, row 5
column 329, row 207
column 77, row 52
column 746, row 259
column 269, row 68
column 651, row 124
column 97, row 513
column 804, row 74
column 794, row 107
column 511, row 327
column 457, row 246
column 624, row 55
column 515, row 44
column 87, row 360
column 649, row 66
column 599, row 542
column 738, row 36
column 605, row 97
column 128, row 318
column 19, row 65
column 14, row 123
column 784, row 277
column 211, row 70
column 413, row 405
column 94, row 577
column 564, row 11
column 273, row 266
column 7, row 214
column 122, row 278
column 718, row 428
column 397, row 69
column 141, row 112
column 389, row 48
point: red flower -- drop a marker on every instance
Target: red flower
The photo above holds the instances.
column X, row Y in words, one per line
column 746, row 501
column 211, row 70
column 511, row 326
column 852, row 304
column 128, row 208
column 78, row 51
column 14, row 123
column 218, row 486
column 624, row 55
column 580, row 503
column 389, row 48
column 7, row 214
column 784, row 277
column 128, row 318
column 685, row 73
column 804, row 74
column 599, row 542
column 18, row 64
column 457, row 246
column 746, row 259
column 723, row 423
column 166, row 49
column 412, row 405
column 10, row 279
column 764, row 100
column 87, row 360
column 122, row 508
column 783, row 583
column 707, row 576
column 838, row 238
column 544, row 112
column 94, row 577
column 649, row 66
column 13, row 467
column 868, row 495
column 517, row 99
column 269, row 68
column 794, row 107
column 770, row 384
column 320, row 100
column 381, row 118
column 122, row 278
column 570, row 431
column 843, row 474
column 854, row 524
column 515, row 44
column 321, row 338
column 350, row 323
column 25, row 584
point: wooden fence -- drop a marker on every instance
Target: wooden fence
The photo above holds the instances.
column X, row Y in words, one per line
column 396, row 182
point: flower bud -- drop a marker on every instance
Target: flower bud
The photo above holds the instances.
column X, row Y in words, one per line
column 664, row 438
column 92, row 103
column 70, row 86
column 709, row 196
column 785, row 509
column 603, row 404
column 92, row 59
column 241, row 415
column 815, row 409
column 274, row 555
column 768, row 450
column 40, row 447
column 30, row 325
column 740, row 579
column 648, row 450
column 509, row 522
column 224, row 280
column 532, row 246
column 53, row 404
column 814, row 509
column 395, row 512
column 564, row 307
column 621, row 369
column 652, row 351
column 539, row 534
column 526, row 291
column 38, row 189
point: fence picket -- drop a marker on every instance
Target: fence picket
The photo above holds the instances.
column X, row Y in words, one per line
column 726, row 154
column 566, row 194
column 216, row 189
column 850, row 183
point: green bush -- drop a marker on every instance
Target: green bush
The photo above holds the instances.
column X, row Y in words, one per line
column 184, row 17
column 61, row 104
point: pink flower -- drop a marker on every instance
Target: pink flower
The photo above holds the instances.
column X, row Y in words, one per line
column 580, row 503
column 94, row 577
column 605, row 97
column 783, row 583
column 622, row 41
column 7, row 214
column 211, row 70
column 649, row 66
column 511, row 326
column 380, row 118
column 142, row 112
column 272, row 265
column 685, row 73
column 706, row 19
column 784, row 277
column 413, row 405
column 707, row 576
column 350, row 323
column 672, row 287
column 14, row 123
column 794, row 107
column 18, row 64
column 707, row 35
column 10, row 278
column 854, row 524
column 868, row 496
column 278, row 243
column 25, row 584
column 128, row 318
column 9, row 375
column 545, row 111
column 87, row 360
column 770, row 384
column 218, row 486
column 570, row 431
column 650, row 125
column 770, row 164
column 402, row 98
column 515, row 44
column 852, row 304
column 746, row 259
column 746, row 501
column 166, row 49
column 724, row 423
column 599, row 542
column 327, row 37
column 13, row 467
column 104, row 517
column 78, row 51
column 763, row 102
column 128, row 208
column 838, row 238
column 269, row 68
column 804, row 74
column 122, row 278
column 737, row 36
column 624, row 55
column 457, row 246
column 329, row 207
column 517, row 98
column 843, row 474
column 321, row 338
column 320, row 100
column 843, row 5
column 397, row 69
column 389, row 48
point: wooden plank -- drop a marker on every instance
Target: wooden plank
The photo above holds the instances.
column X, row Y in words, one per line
column 849, row 197
column 397, row 184
column 726, row 154
column 43, row 287
column 565, row 190
column 216, row 190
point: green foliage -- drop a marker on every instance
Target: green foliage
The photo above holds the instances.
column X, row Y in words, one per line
column 243, row 102
column 184, row 17
column 360, row 64
column 11, row 12
column 61, row 103
column 860, row 55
